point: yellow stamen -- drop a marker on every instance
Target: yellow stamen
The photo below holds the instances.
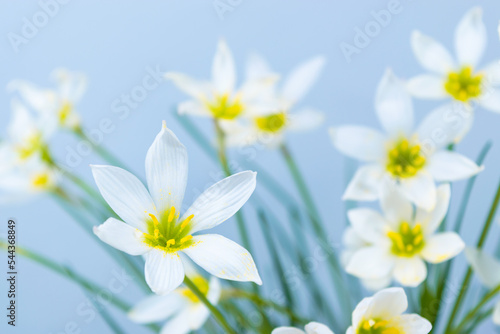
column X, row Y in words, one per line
column 186, row 238
column 170, row 242
column 186, row 221
column 155, row 220
column 171, row 215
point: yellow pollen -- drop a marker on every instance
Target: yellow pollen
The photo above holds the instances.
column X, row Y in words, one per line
column 405, row 159
column 41, row 180
column 186, row 221
column 171, row 215
column 271, row 123
column 171, row 242
column 224, row 107
column 186, row 238
column 464, row 85
column 407, row 241
column 155, row 220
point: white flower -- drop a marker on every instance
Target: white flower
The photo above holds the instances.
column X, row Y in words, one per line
column 458, row 79
column 154, row 227
column 59, row 104
column 394, row 245
column 383, row 313
column 487, row 269
column 413, row 158
column 311, row 328
column 219, row 97
column 32, row 177
column 268, row 126
column 184, row 311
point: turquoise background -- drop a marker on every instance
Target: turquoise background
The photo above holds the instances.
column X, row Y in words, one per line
column 115, row 42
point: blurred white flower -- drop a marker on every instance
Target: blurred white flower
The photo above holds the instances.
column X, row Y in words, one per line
column 383, row 313
column 219, row 97
column 269, row 125
column 154, row 227
column 311, row 328
column 415, row 159
column 19, row 182
column 394, row 245
column 184, row 311
column 458, row 79
column 59, row 104
column 487, row 269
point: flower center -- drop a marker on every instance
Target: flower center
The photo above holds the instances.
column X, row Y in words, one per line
column 377, row 327
column 201, row 284
column 464, row 85
column 167, row 233
column 405, row 160
column 271, row 123
column 407, row 241
column 225, row 108
column 31, row 144
column 41, row 181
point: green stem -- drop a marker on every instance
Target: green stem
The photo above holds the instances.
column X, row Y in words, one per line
column 66, row 272
column 470, row 316
column 258, row 300
column 101, row 151
column 458, row 223
column 468, row 275
column 314, row 216
column 215, row 312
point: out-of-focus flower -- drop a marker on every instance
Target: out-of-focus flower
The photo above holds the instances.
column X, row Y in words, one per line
column 311, row 328
column 487, row 269
column 458, row 79
column 32, row 177
column 59, row 104
column 268, row 126
column 219, row 97
column 383, row 313
column 414, row 159
column 184, row 311
column 154, row 227
column 26, row 136
column 394, row 245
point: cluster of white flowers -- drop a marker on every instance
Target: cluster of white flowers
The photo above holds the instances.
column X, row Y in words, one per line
column 27, row 166
column 406, row 168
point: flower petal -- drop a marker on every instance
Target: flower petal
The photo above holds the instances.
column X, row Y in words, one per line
column 420, row 189
column 395, row 206
column 365, row 185
column 72, row 85
column 485, row 266
column 305, row 120
column 496, row 314
column 167, row 170
column 157, row 308
column 368, row 224
column 221, row 201
column 431, row 220
column 180, row 324
column 387, row 304
column 301, row 79
column 370, row 263
column 377, row 284
column 194, row 108
column 471, row 37
column 393, row 105
column 223, row 69
column 195, row 88
column 164, row 271
column 431, row 54
column 443, row 126
column 122, row 237
column 317, row 328
column 414, row 324
column 410, row 271
column 223, row 258
column 491, row 100
column 427, row 86
column 125, row 194
column 451, row 166
column 442, row 247
column 358, row 142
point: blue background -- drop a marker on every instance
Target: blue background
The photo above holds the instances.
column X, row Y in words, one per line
column 114, row 42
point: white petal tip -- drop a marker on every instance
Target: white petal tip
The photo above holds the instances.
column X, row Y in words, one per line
column 163, row 125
